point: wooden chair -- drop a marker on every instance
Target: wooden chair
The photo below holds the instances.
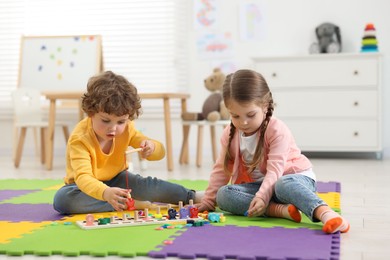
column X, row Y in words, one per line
column 28, row 114
column 184, row 155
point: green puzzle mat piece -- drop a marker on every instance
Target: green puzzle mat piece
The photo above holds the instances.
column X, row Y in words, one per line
column 267, row 222
column 28, row 184
column 192, row 184
column 70, row 240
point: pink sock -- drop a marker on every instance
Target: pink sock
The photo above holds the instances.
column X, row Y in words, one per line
column 333, row 222
column 287, row 211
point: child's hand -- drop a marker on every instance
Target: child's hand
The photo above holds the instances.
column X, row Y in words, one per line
column 256, row 208
column 116, row 197
column 202, row 207
column 147, row 148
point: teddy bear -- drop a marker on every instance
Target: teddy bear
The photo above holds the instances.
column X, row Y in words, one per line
column 329, row 39
column 214, row 108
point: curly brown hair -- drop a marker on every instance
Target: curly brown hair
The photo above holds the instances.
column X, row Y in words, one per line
column 112, row 94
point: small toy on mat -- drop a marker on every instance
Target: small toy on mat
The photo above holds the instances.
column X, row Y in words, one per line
column 130, row 202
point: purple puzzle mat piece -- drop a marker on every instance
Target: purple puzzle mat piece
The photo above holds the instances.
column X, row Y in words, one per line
column 323, row 187
column 8, row 194
column 28, row 212
column 251, row 243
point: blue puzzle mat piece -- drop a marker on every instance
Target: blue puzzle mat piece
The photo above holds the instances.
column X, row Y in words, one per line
column 251, row 243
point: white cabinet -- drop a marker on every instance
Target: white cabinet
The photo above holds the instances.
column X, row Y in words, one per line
column 331, row 102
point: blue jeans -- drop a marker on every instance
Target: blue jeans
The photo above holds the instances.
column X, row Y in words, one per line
column 69, row 199
column 295, row 189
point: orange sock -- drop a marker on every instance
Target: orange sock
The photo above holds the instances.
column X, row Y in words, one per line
column 287, row 211
column 333, row 222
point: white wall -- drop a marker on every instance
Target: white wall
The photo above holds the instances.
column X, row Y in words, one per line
column 289, row 30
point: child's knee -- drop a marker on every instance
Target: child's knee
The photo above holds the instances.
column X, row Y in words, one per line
column 283, row 183
column 223, row 194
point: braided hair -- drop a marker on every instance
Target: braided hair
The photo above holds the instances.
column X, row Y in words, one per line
column 247, row 86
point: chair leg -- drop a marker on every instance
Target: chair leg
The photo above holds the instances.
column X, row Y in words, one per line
column 184, row 148
column 43, row 145
column 213, row 142
column 19, row 148
column 16, row 135
column 36, row 141
column 65, row 129
column 199, row 146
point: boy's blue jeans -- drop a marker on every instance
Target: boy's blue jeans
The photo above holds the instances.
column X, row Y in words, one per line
column 295, row 189
column 69, row 199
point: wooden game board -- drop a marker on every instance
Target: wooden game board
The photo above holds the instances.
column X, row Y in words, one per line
column 115, row 222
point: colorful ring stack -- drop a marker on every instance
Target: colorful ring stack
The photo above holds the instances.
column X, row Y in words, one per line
column 369, row 41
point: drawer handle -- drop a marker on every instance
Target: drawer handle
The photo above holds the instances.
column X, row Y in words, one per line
column 355, row 134
column 274, row 75
column 356, row 103
column 355, row 72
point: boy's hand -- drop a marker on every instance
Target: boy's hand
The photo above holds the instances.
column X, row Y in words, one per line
column 116, row 197
column 256, row 208
column 147, row 148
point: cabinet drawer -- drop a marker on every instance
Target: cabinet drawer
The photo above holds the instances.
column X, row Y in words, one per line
column 319, row 73
column 335, row 135
column 326, row 103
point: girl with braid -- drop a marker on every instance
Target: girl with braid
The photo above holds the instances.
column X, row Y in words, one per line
column 260, row 170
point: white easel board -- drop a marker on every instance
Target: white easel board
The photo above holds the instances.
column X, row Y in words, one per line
column 51, row 63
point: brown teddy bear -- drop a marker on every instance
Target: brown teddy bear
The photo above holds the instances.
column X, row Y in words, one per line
column 213, row 107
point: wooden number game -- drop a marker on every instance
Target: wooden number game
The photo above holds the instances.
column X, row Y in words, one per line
column 125, row 221
column 185, row 216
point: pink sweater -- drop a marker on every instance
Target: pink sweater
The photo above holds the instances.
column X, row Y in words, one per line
column 283, row 157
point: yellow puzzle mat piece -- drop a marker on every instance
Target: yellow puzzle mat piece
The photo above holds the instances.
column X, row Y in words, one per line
column 11, row 230
column 55, row 187
column 331, row 198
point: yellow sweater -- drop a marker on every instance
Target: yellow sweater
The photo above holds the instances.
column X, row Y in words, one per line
column 88, row 166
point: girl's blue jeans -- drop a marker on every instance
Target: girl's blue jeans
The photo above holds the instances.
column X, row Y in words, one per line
column 295, row 189
column 69, row 199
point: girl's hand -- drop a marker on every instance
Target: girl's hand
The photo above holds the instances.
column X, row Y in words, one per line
column 116, row 197
column 257, row 207
column 147, row 148
column 202, row 207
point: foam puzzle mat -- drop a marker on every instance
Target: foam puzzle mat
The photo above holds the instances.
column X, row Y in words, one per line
column 30, row 226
